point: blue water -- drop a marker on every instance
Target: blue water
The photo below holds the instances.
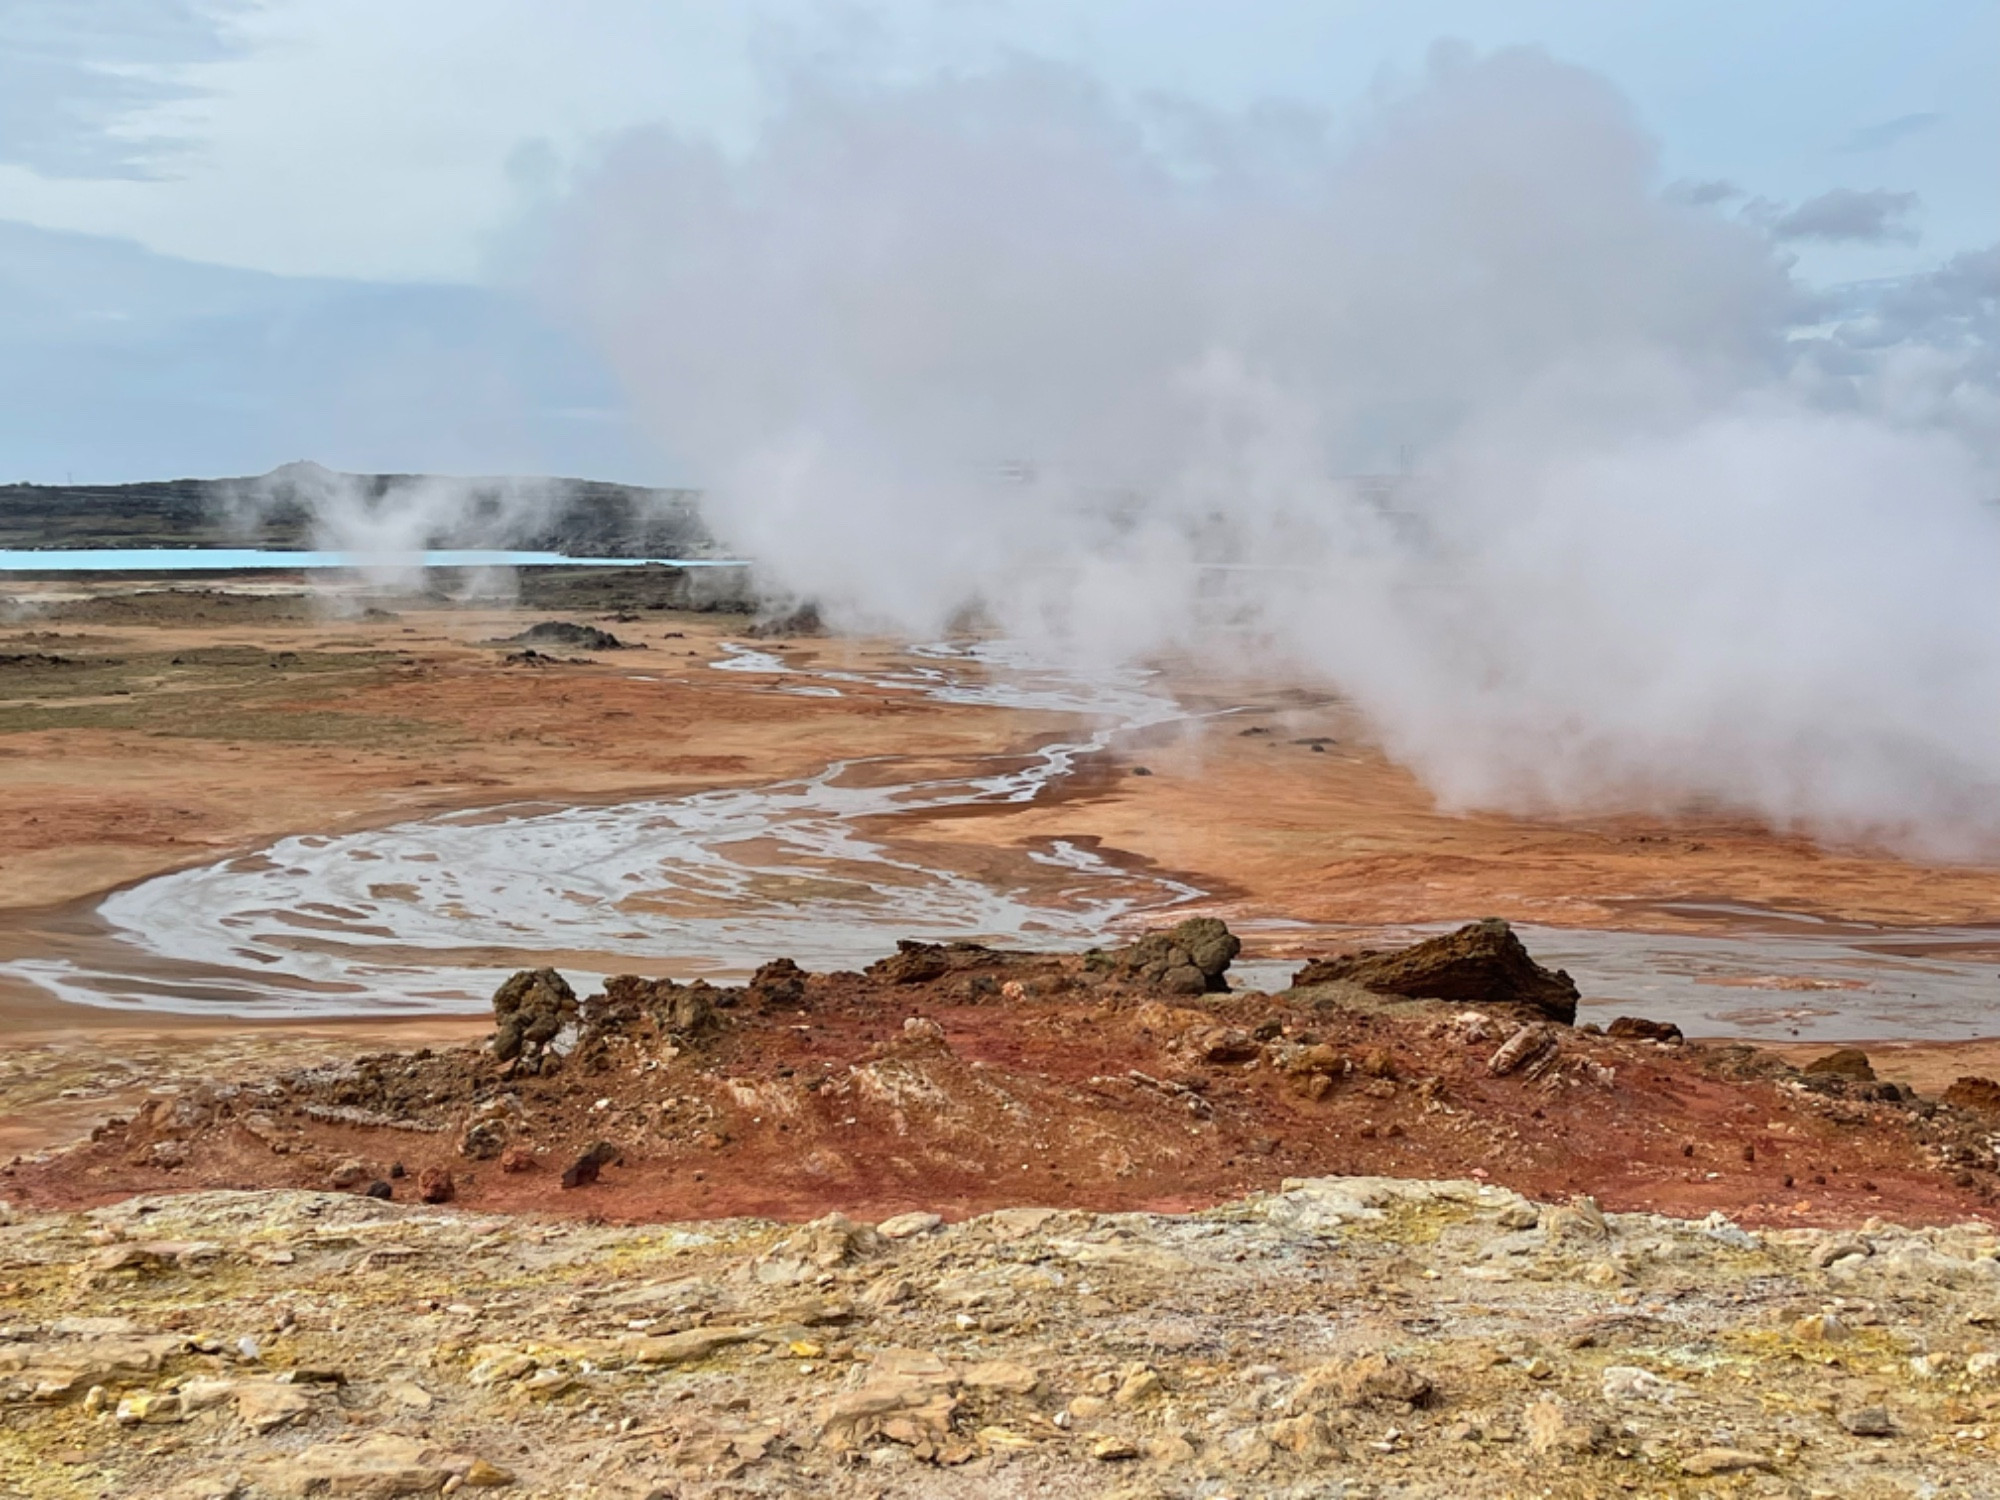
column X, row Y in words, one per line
column 256, row 559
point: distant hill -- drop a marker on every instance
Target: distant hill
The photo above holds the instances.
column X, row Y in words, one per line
column 303, row 505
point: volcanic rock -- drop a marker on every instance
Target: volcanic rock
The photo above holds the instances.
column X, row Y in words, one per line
column 1868, row 1421
column 803, row 620
column 1842, row 1062
column 912, row 963
column 1637, row 1028
column 779, row 984
column 1482, row 963
column 573, row 636
column 531, row 1010
column 434, row 1185
column 686, row 1012
column 1190, row 959
column 585, row 1169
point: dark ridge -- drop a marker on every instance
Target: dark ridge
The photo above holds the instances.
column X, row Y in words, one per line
column 580, row 517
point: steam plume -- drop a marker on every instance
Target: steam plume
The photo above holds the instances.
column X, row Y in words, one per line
column 1671, row 526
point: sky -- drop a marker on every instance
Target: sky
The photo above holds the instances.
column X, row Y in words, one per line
column 234, row 233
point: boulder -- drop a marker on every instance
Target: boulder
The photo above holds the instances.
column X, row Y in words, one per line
column 586, row 1168
column 779, row 984
column 912, row 963
column 571, row 635
column 1842, row 1062
column 530, row 1011
column 1482, row 963
column 1190, row 959
column 434, row 1185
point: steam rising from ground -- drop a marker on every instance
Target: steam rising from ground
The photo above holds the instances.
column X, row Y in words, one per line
column 1666, row 525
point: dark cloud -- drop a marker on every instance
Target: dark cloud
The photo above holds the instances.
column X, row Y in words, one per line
column 73, row 71
column 1702, row 193
column 1868, row 216
column 1888, row 132
column 1954, row 308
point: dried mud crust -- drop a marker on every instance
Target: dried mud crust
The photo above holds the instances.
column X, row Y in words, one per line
column 958, row 1079
column 1360, row 1337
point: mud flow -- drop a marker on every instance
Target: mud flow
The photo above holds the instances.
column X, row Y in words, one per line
column 424, row 916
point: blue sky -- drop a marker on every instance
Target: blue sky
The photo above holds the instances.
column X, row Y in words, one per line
column 235, row 233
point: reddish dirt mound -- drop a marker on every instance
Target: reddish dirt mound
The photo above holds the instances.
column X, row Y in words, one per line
column 958, row 1079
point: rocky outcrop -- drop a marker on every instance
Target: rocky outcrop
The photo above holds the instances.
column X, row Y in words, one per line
column 1843, row 1062
column 914, row 962
column 803, row 619
column 531, row 1009
column 685, row 1012
column 1969, row 1092
column 1482, row 963
column 571, row 636
column 1190, row 959
column 778, row 985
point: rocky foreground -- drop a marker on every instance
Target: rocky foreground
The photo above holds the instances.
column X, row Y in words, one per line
column 959, row 1079
column 983, row 1223
column 1339, row 1336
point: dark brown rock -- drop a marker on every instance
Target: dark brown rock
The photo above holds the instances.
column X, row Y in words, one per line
column 1842, row 1062
column 912, row 963
column 686, row 1012
column 585, row 1169
column 1482, row 963
column 779, row 984
column 1190, row 959
column 568, row 633
column 1227, row 1044
column 483, row 1140
column 1637, row 1028
column 530, row 1011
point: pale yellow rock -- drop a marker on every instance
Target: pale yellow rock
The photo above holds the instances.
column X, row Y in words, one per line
column 1551, row 1430
column 1000, row 1375
column 1170, row 1450
column 1005, row 1438
column 149, row 1407
column 1712, row 1461
column 500, row 1367
column 1140, row 1385
column 1819, row 1328
column 264, row 1405
column 908, row 1226
column 381, row 1465
column 683, row 1348
column 547, row 1384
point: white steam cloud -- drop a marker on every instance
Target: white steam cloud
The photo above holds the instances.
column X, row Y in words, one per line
column 1668, row 527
